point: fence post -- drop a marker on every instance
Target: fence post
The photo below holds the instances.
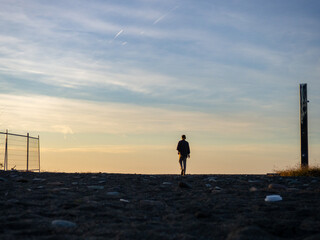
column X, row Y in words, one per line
column 27, row 152
column 39, row 151
column 6, row 153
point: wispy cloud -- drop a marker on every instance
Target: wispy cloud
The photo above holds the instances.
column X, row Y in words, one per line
column 115, row 149
column 208, row 64
column 62, row 129
column 49, row 114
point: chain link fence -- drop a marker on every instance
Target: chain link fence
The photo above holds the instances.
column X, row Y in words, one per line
column 19, row 152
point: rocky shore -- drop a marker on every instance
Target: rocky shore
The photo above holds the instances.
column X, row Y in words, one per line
column 130, row 206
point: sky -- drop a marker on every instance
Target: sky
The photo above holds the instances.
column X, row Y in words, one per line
column 110, row 86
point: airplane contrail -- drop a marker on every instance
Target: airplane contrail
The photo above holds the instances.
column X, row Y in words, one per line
column 164, row 15
column 118, row 34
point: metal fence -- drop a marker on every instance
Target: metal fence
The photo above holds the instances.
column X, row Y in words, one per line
column 19, row 152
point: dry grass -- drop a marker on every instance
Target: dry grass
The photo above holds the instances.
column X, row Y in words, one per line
column 300, row 172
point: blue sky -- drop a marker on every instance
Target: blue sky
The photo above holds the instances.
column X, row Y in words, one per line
column 121, row 75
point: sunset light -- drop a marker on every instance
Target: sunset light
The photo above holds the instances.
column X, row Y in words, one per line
column 111, row 86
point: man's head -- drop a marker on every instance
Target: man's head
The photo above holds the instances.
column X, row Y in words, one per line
column 183, row 137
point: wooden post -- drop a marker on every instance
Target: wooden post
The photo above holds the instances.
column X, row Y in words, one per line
column 27, row 152
column 304, row 125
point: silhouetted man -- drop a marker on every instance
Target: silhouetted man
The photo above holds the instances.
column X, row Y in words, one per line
column 184, row 153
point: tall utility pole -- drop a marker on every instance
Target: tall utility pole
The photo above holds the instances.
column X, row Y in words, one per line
column 6, row 153
column 304, row 125
column 27, row 152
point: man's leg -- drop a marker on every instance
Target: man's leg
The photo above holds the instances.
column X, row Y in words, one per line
column 180, row 162
column 184, row 166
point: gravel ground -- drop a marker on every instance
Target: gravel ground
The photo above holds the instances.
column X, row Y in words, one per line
column 132, row 206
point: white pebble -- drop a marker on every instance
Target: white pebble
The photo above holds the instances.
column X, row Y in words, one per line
column 273, row 198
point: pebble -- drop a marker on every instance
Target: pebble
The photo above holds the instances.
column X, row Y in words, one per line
column 254, row 181
column 13, row 201
column 152, row 203
column 63, row 224
column 55, row 183
column 184, row 185
column 253, row 189
column 273, row 198
column 22, row 180
column 96, row 187
column 59, row 189
column 115, row 189
column 211, row 179
column 251, row 233
column 167, row 183
column 38, row 179
column 3, row 179
column 202, row 214
column 275, row 186
column 114, row 194
column 293, row 181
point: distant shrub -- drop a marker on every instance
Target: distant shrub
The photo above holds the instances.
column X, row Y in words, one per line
column 300, row 172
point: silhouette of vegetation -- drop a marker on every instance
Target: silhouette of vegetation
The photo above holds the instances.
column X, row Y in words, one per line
column 300, row 172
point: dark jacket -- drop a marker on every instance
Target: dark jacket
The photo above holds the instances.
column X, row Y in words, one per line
column 183, row 148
